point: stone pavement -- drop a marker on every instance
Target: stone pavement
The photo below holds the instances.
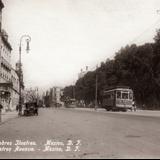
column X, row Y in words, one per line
column 8, row 116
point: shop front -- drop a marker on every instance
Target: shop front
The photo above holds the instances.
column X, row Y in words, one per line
column 5, row 96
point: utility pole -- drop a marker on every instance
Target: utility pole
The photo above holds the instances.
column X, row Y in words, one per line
column 74, row 90
column 96, row 91
column 74, row 95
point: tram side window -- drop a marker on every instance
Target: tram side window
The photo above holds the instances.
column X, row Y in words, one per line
column 118, row 95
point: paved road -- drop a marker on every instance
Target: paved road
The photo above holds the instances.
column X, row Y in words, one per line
column 101, row 135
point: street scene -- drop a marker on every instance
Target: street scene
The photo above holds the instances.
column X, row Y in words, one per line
column 79, row 79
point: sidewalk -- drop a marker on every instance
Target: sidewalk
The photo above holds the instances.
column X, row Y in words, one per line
column 8, row 116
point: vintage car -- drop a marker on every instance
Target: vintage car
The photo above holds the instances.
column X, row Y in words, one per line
column 31, row 109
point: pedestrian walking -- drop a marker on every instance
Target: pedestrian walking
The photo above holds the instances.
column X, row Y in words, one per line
column 17, row 107
column 1, row 107
column 134, row 108
column 36, row 108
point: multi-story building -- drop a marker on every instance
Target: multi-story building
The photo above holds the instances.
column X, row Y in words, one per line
column 55, row 96
column 5, row 58
column 5, row 71
column 9, row 81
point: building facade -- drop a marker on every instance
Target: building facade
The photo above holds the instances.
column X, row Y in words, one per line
column 5, row 71
column 5, row 58
column 9, row 81
column 55, row 96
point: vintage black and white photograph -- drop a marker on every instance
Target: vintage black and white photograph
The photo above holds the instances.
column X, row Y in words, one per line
column 79, row 79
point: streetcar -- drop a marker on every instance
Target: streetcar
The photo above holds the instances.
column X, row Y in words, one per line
column 71, row 103
column 119, row 98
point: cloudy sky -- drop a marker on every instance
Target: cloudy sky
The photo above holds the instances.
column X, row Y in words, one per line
column 68, row 35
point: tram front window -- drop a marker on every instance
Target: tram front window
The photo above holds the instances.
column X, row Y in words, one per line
column 125, row 95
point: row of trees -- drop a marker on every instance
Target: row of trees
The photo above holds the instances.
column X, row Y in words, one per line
column 134, row 66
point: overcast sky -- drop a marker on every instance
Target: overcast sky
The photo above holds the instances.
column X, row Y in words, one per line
column 68, row 35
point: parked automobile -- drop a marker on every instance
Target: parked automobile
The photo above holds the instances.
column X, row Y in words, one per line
column 31, row 109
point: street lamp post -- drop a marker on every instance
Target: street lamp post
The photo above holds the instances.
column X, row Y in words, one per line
column 28, row 39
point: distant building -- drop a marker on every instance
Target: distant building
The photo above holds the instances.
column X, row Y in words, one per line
column 82, row 73
column 9, row 80
column 55, row 96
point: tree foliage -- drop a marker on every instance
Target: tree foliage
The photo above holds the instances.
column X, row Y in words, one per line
column 134, row 66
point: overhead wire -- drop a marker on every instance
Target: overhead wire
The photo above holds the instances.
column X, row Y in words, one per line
column 135, row 39
column 146, row 30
